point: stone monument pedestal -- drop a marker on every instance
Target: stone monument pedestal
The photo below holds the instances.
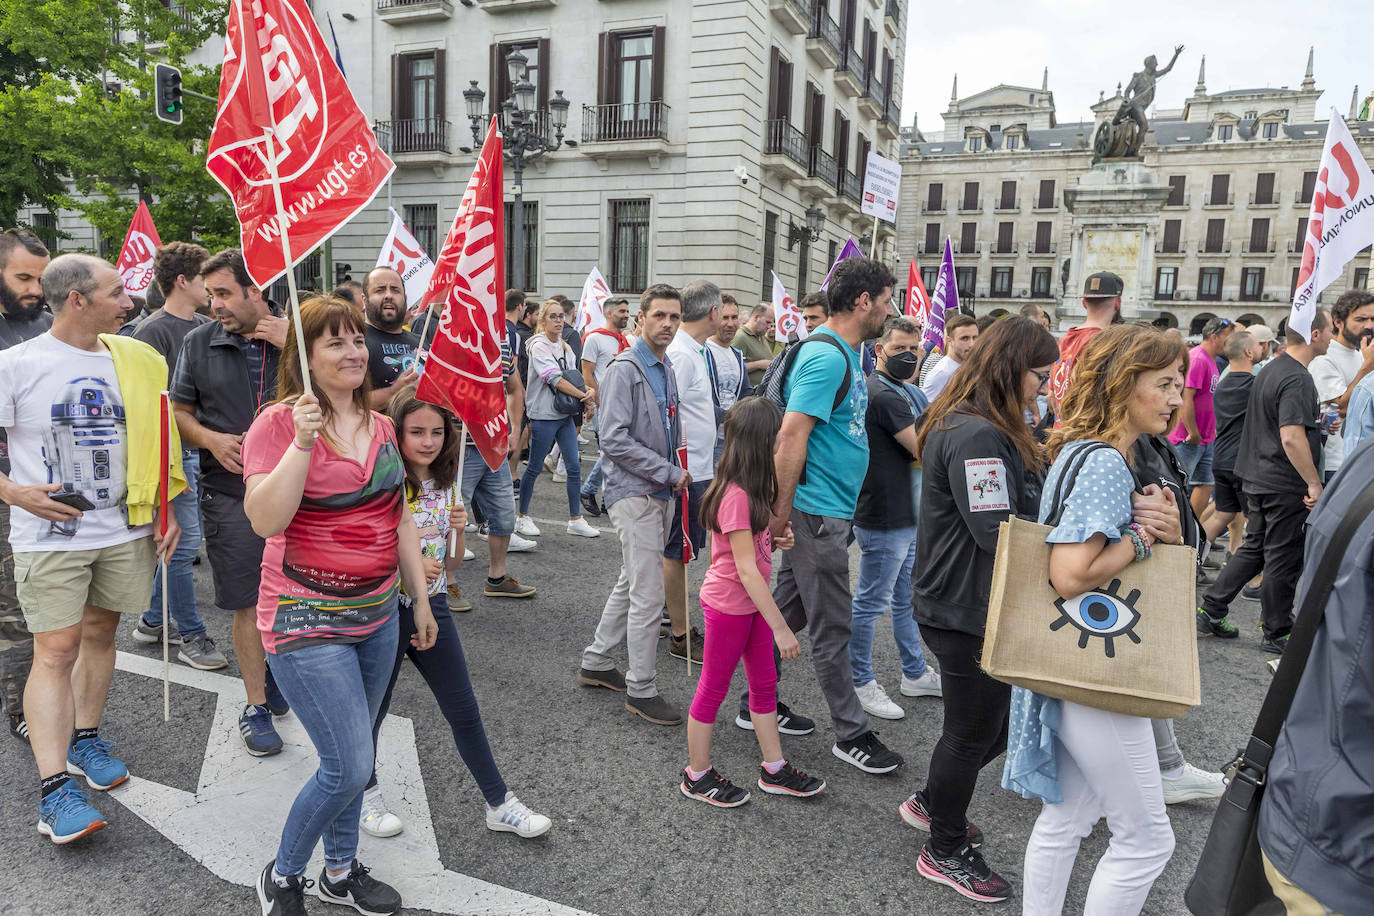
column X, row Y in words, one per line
column 1114, row 212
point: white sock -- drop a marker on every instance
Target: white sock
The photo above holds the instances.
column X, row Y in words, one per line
column 1175, row 773
column 278, row 878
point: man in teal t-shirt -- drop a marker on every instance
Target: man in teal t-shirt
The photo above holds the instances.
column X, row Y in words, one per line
column 821, row 458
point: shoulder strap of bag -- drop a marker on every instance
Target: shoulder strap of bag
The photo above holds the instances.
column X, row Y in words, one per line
column 1064, row 487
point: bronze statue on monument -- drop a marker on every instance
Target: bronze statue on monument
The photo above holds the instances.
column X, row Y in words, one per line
column 1123, row 135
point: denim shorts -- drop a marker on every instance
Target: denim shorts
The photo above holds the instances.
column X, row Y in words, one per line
column 1197, row 462
column 672, row 549
column 490, row 492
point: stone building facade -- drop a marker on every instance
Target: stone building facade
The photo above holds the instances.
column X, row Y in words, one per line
column 1240, row 166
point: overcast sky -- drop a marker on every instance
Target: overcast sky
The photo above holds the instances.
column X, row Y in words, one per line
column 1091, row 46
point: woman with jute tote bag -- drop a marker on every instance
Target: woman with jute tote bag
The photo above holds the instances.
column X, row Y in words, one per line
column 1108, row 616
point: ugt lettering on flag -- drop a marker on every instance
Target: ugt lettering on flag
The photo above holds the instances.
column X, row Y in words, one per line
column 463, row 372
column 1339, row 223
column 135, row 264
column 281, row 95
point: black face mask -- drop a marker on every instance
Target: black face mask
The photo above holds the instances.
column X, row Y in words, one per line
column 902, row 366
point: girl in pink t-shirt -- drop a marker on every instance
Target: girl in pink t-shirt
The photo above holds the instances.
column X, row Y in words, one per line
column 742, row 620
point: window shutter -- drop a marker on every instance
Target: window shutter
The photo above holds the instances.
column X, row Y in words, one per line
column 657, row 91
column 1259, row 235
column 1171, row 233
column 494, row 95
column 1302, row 234
column 546, row 74
column 1264, row 188
column 1221, row 188
column 440, row 84
column 774, row 90
column 785, row 99
column 395, row 89
column 603, row 69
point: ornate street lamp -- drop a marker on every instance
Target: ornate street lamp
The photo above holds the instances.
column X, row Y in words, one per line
column 815, row 222
column 524, row 139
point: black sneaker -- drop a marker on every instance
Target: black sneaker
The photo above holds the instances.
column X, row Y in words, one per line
column 19, row 728
column 1250, row 591
column 714, row 789
column 966, row 872
column 789, row 722
column 868, row 754
column 282, row 899
column 361, row 891
column 1275, row 644
column 611, row 679
column 790, row 781
column 276, row 703
column 590, row 505
column 1220, row 627
column 655, row 709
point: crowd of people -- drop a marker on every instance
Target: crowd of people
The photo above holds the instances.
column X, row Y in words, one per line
column 334, row 514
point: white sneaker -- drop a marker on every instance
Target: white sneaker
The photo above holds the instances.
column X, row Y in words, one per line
column 1192, row 784
column 583, row 440
column 579, row 527
column 927, row 685
column 375, row 819
column 468, row 554
column 876, row 702
column 514, row 817
column 525, row 525
column 560, row 476
column 550, row 463
column 520, row 545
column 470, row 526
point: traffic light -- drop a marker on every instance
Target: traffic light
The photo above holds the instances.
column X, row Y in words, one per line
column 167, row 89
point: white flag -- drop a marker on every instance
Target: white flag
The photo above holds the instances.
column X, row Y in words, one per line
column 591, row 307
column 1340, row 223
column 789, row 318
column 404, row 255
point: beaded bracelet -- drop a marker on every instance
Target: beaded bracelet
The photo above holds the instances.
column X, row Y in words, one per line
column 1142, row 541
column 302, row 447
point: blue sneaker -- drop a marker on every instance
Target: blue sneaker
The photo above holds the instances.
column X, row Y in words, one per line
column 276, row 703
column 90, row 757
column 259, row 735
column 65, row 815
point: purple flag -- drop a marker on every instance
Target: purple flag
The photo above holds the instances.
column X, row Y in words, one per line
column 850, row 250
column 944, row 298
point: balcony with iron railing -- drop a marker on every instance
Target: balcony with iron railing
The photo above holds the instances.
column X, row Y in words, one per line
column 620, row 122
column 1272, row 200
column 871, row 102
column 1180, row 202
column 415, row 141
column 973, row 205
column 850, row 188
column 933, row 206
column 824, row 40
column 1038, row 250
column 1214, row 249
column 1264, row 247
column 822, row 172
column 1219, row 200
column 795, row 15
column 1010, row 248
column 784, row 148
column 1007, row 205
column 1178, row 246
column 971, row 248
column 890, row 124
column 851, row 74
column 892, row 19
column 401, row 11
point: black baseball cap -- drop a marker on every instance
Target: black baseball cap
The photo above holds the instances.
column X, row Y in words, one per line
column 1103, row 285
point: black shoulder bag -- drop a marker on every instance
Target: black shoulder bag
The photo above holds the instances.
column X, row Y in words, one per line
column 1229, row 879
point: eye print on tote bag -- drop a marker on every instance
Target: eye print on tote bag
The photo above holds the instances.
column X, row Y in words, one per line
column 1101, row 612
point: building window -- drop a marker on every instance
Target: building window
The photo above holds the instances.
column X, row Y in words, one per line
column 1302, row 234
column 803, row 265
column 970, row 196
column 1004, row 242
column 1040, row 282
column 1209, row 283
column 1177, row 185
column 1309, row 187
column 1216, row 235
column 1008, row 199
column 1042, row 237
column 423, row 220
column 1221, row 190
column 629, row 84
column 536, row 53
column 1270, row 129
column 1224, row 131
column 929, row 277
column 1001, row 282
column 634, row 68
column 417, row 102
column 1293, row 287
column 1014, row 141
column 1264, row 188
column 831, row 255
column 1045, row 200
column 975, row 143
column 770, row 251
column 935, row 197
column 531, row 244
column 841, row 150
column 1172, row 229
column 966, row 278
column 629, row 246
column 968, row 235
column 1259, row 236
column 1251, row 283
column 106, row 247
column 932, row 238
column 780, row 96
column 45, row 227
column 1166, row 282
column 1361, row 278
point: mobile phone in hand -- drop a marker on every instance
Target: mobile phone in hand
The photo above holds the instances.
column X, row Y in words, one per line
column 75, row 500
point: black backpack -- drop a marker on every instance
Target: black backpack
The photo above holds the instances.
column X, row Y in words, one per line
column 774, row 380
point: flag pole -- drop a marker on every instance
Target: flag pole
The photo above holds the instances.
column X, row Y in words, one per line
column 268, row 133
column 456, row 494
column 165, row 437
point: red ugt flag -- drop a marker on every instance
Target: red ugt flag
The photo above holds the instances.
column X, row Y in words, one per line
column 135, row 264
column 278, row 75
column 917, row 300
column 463, row 371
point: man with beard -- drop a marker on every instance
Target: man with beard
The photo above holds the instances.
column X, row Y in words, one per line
column 599, row 347
column 728, row 374
column 819, row 445
column 1348, row 359
column 226, row 372
column 22, row 317
column 390, row 347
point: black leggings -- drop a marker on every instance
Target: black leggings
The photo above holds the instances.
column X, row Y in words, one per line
column 975, row 734
column 445, row 670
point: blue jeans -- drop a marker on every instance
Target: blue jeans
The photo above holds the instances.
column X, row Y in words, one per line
column 592, row 485
column 336, row 690
column 1197, row 463
column 543, row 433
column 885, row 562
column 181, row 586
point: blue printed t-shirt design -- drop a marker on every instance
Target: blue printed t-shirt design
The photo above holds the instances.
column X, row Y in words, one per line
column 837, row 451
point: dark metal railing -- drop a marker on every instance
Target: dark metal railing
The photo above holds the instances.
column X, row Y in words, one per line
column 623, row 121
column 414, row 135
column 849, row 185
column 782, row 139
column 822, row 165
column 853, row 62
column 826, row 29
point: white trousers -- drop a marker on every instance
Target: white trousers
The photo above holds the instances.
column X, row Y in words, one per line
column 1107, row 764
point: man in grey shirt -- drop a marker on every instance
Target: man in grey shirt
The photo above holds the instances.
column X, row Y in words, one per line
column 599, row 347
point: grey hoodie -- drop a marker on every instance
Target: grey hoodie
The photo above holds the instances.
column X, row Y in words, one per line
column 639, row 460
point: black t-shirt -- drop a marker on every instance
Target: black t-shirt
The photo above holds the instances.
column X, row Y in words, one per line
column 12, row 333
column 165, row 332
column 1229, row 400
column 1284, row 394
column 885, row 500
column 388, row 355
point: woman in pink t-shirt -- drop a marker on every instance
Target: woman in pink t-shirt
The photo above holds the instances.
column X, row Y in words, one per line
column 742, row 620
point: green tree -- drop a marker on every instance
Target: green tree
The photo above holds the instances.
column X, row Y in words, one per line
column 77, row 128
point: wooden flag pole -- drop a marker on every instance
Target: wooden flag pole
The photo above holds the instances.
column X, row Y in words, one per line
column 268, row 133
column 164, row 450
column 456, row 494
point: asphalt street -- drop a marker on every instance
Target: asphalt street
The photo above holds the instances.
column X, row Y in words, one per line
column 624, row 841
